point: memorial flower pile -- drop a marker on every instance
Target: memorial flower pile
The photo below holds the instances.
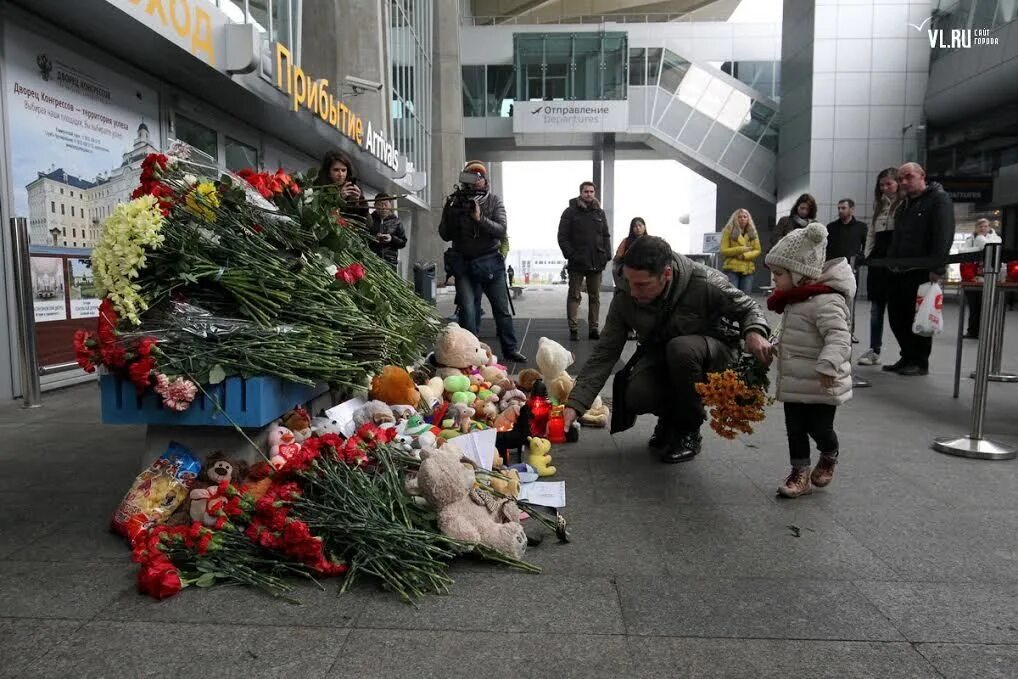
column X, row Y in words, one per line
column 248, row 274
column 736, row 398
column 337, row 508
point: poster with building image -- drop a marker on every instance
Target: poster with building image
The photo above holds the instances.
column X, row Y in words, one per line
column 49, row 294
column 78, row 133
column 84, row 299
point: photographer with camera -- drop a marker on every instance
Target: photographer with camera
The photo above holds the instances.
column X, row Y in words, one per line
column 474, row 220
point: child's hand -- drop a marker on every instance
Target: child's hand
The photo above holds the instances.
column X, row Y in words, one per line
column 826, row 381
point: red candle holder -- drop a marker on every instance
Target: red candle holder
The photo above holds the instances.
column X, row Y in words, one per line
column 969, row 271
column 540, row 409
column 1012, row 271
column 557, row 425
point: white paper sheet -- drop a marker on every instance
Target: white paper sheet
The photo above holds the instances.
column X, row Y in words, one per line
column 545, row 493
column 343, row 415
column 478, row 447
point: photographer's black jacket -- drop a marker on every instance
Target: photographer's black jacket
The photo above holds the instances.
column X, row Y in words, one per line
column 474, row 239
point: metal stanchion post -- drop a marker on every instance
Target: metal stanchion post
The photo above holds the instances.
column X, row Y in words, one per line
column 997, row 374
column 974, row 445
column 31, row 390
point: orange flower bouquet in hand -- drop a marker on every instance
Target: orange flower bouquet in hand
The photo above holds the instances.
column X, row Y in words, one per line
column 736, row 397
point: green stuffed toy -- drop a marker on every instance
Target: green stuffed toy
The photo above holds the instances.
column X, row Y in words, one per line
column 458, row 389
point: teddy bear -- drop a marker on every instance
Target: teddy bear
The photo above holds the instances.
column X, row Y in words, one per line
column 394, row 386
column 505, row 482
column 374, row 412
column 430, row 393
column 299, row 422
column 539, row 456
column 204, row 501
column 526, row 379
column 282, row 446
column 464, row 513
column 497, row 377
column 553, row 359
column 511, row 398
column 457, row 349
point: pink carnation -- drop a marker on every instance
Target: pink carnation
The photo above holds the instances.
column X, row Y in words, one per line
column 178, row 393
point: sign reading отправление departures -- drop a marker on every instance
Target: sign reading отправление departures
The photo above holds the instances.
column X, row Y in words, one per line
column 570, row 116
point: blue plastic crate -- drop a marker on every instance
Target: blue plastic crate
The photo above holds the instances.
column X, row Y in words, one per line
column 252, row 402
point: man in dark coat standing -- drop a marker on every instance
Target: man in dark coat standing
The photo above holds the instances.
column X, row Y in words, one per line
column 923, row 228
column 585, row 241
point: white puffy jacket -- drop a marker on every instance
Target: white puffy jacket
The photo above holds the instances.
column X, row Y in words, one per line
column 815, row 338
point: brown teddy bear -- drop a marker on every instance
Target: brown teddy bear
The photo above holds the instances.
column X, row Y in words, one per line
column 394, row 386
column 205, row 501
column 525, row 380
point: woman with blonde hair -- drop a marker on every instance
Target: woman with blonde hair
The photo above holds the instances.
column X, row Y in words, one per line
column 740, row 246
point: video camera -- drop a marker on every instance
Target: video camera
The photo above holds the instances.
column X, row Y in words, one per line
column 466, row 191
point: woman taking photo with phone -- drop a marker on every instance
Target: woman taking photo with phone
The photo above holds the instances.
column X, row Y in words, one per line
column 338, row 170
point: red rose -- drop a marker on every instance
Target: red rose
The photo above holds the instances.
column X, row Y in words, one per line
column 358, row 271
column 159, row 578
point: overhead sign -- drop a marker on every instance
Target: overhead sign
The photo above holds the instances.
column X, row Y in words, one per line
column 192, row 25
column 570, row 116
column 971, row 189
column 313, row 94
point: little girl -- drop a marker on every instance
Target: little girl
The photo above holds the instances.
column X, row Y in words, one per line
column 814, row 350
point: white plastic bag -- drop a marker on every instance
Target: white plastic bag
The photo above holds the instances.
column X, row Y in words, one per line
column 929, row 315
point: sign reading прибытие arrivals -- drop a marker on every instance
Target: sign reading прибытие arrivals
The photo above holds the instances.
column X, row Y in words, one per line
column 314, row 94
column 570, row 116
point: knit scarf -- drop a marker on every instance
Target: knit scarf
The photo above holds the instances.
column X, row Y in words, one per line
column 799, row 220
column 780, row 299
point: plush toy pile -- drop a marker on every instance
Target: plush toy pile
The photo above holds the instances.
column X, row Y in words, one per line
column 389, row 487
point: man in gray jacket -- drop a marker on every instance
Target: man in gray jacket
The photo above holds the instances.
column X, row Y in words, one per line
column 690, row 320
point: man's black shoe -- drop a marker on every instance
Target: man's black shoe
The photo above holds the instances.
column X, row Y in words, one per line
column 972, row 335
column 594, row 334
column 661, row 435
column 574, row 335
column 516, row 357
column 913, row 371
column 894, row 367
column 683, row 448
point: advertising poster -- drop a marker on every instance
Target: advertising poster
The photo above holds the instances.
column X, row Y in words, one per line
column 79, row 132
column 48, row 292
column 711, row 243
column 84, row 301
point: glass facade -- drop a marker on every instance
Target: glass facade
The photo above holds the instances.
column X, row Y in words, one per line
column 570, row 66
column 410, row 55
column 970, row 14
column 488, row 91
column 762, row 76
column 276, row 21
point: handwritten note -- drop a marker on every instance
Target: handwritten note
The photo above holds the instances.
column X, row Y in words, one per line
column 478, row 447
column 545, row 493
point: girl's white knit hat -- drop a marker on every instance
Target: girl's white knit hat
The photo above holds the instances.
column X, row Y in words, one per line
column 803, row 251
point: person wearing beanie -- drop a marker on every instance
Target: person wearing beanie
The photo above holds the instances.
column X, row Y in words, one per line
column 813, row 350
column 473, row 219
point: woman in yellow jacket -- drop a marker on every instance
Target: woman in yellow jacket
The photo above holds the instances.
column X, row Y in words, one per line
column 740, row 246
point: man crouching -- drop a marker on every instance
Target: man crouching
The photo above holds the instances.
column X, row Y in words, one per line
column 689, row 320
